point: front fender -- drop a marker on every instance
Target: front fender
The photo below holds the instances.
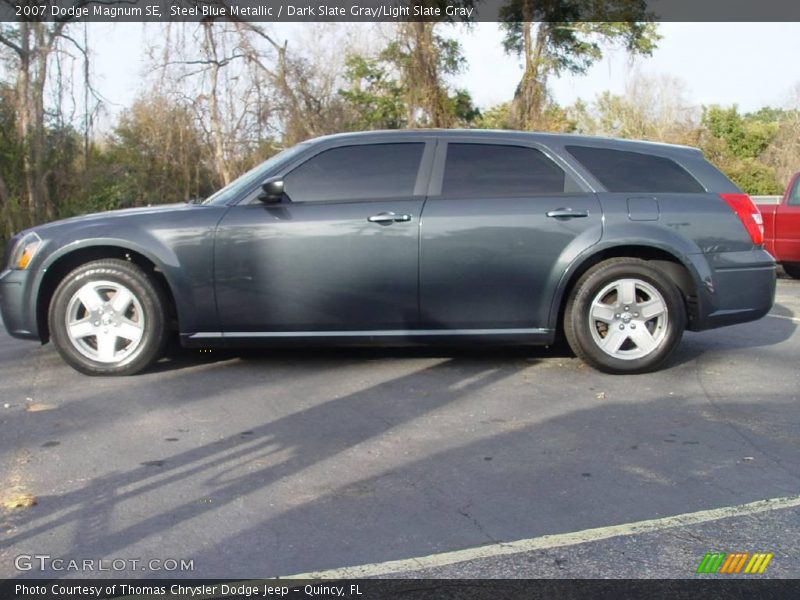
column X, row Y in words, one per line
column 162, row 257
column 181, row 248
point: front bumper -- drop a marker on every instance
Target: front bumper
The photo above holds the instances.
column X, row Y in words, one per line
column 19, row 314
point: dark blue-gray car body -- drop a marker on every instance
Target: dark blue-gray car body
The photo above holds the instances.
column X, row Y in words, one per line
column 424, row 267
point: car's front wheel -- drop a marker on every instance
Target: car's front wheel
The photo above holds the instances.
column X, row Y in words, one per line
column 107, row 318
column 624, row 316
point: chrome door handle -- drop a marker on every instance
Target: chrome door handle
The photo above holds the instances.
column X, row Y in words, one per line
column 567, row 213
column 385, row 218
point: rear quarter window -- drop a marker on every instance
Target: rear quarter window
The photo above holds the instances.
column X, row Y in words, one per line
column 624, row 171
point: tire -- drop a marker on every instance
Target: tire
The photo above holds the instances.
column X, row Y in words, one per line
column 792, row 270
column 108, row 318
column 612, row 339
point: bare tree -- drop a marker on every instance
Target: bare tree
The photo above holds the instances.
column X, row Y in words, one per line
column 215, row 62
column 205, row 67
column 783, row 153
column 305, row 82
column 251, row 88
column 652, row 108
column 30, row 50
column 31, row 45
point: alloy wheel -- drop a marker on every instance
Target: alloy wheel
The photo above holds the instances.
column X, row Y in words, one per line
column 628, row 319
column 105, row 322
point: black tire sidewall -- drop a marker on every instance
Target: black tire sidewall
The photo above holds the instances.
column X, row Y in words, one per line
column 792, row 270
column 136, row 281
column 577, row 325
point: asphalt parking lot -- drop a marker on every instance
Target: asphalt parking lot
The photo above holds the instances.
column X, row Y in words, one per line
column 286, row 462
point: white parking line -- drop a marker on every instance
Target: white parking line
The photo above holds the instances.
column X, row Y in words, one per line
column 795, row 319
column 550, row 541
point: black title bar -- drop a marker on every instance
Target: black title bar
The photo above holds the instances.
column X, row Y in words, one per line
column 731, row 588
column 398, row 10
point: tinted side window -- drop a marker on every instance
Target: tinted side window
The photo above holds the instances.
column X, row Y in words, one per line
column 478, row 170
column 794, row 196
column 363, row 172
column 622, row 171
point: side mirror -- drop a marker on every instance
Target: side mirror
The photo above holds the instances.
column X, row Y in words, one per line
column 272, row 191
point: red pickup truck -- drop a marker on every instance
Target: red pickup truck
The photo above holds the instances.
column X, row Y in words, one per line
column 782, row 228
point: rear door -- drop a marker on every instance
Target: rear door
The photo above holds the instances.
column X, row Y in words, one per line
column 501, row 224
column 340, row 254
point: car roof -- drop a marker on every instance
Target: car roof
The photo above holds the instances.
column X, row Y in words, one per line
column 558, row 139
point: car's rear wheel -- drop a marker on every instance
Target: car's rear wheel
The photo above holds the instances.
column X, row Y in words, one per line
column 792, row 270
column 107, row 318
column 624, row 316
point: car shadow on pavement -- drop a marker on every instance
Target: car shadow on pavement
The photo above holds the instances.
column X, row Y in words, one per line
column 313, row 490
column 612, row 464
column 178, row 358
column 357, row 478
column 250, row 461
column 770, row 330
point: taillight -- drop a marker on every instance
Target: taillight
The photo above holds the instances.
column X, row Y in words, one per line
column 748, row 214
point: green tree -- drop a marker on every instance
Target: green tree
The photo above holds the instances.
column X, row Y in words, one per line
column 551, row 39
column 62, row 158
column 424, row 59
column 741, row 136
column 29, row 51
column 495, row 117
column 405, row 84
column 736, row 143
column 11, row 167
column 376, row 99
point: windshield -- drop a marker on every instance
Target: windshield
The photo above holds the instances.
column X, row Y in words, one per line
column 249, row 179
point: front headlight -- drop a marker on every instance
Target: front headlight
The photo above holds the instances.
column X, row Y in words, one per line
column 24, row 251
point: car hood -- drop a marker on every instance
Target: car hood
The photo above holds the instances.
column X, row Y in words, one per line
column 114, row 216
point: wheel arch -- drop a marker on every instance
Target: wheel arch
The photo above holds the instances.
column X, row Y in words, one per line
column 61, row 264
column 679, row 270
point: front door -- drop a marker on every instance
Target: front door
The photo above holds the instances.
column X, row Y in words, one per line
column 340, row 254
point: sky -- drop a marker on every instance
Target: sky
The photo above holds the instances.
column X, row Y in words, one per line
column 748, row 64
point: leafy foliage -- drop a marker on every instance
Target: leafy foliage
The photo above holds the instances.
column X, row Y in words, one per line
column 404, row 84
column 166, row 148
column 376, row 98
column 558, row 36
column 736, row 143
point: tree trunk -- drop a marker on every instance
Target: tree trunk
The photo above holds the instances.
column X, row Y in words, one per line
column 23, row 109
column 428, row 103
column 35, row 46
column 218, row 142
column 529, row 99
column 44, row 210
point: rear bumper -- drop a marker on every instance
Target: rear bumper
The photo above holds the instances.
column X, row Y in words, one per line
column 19, row 317
column 737, row 287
